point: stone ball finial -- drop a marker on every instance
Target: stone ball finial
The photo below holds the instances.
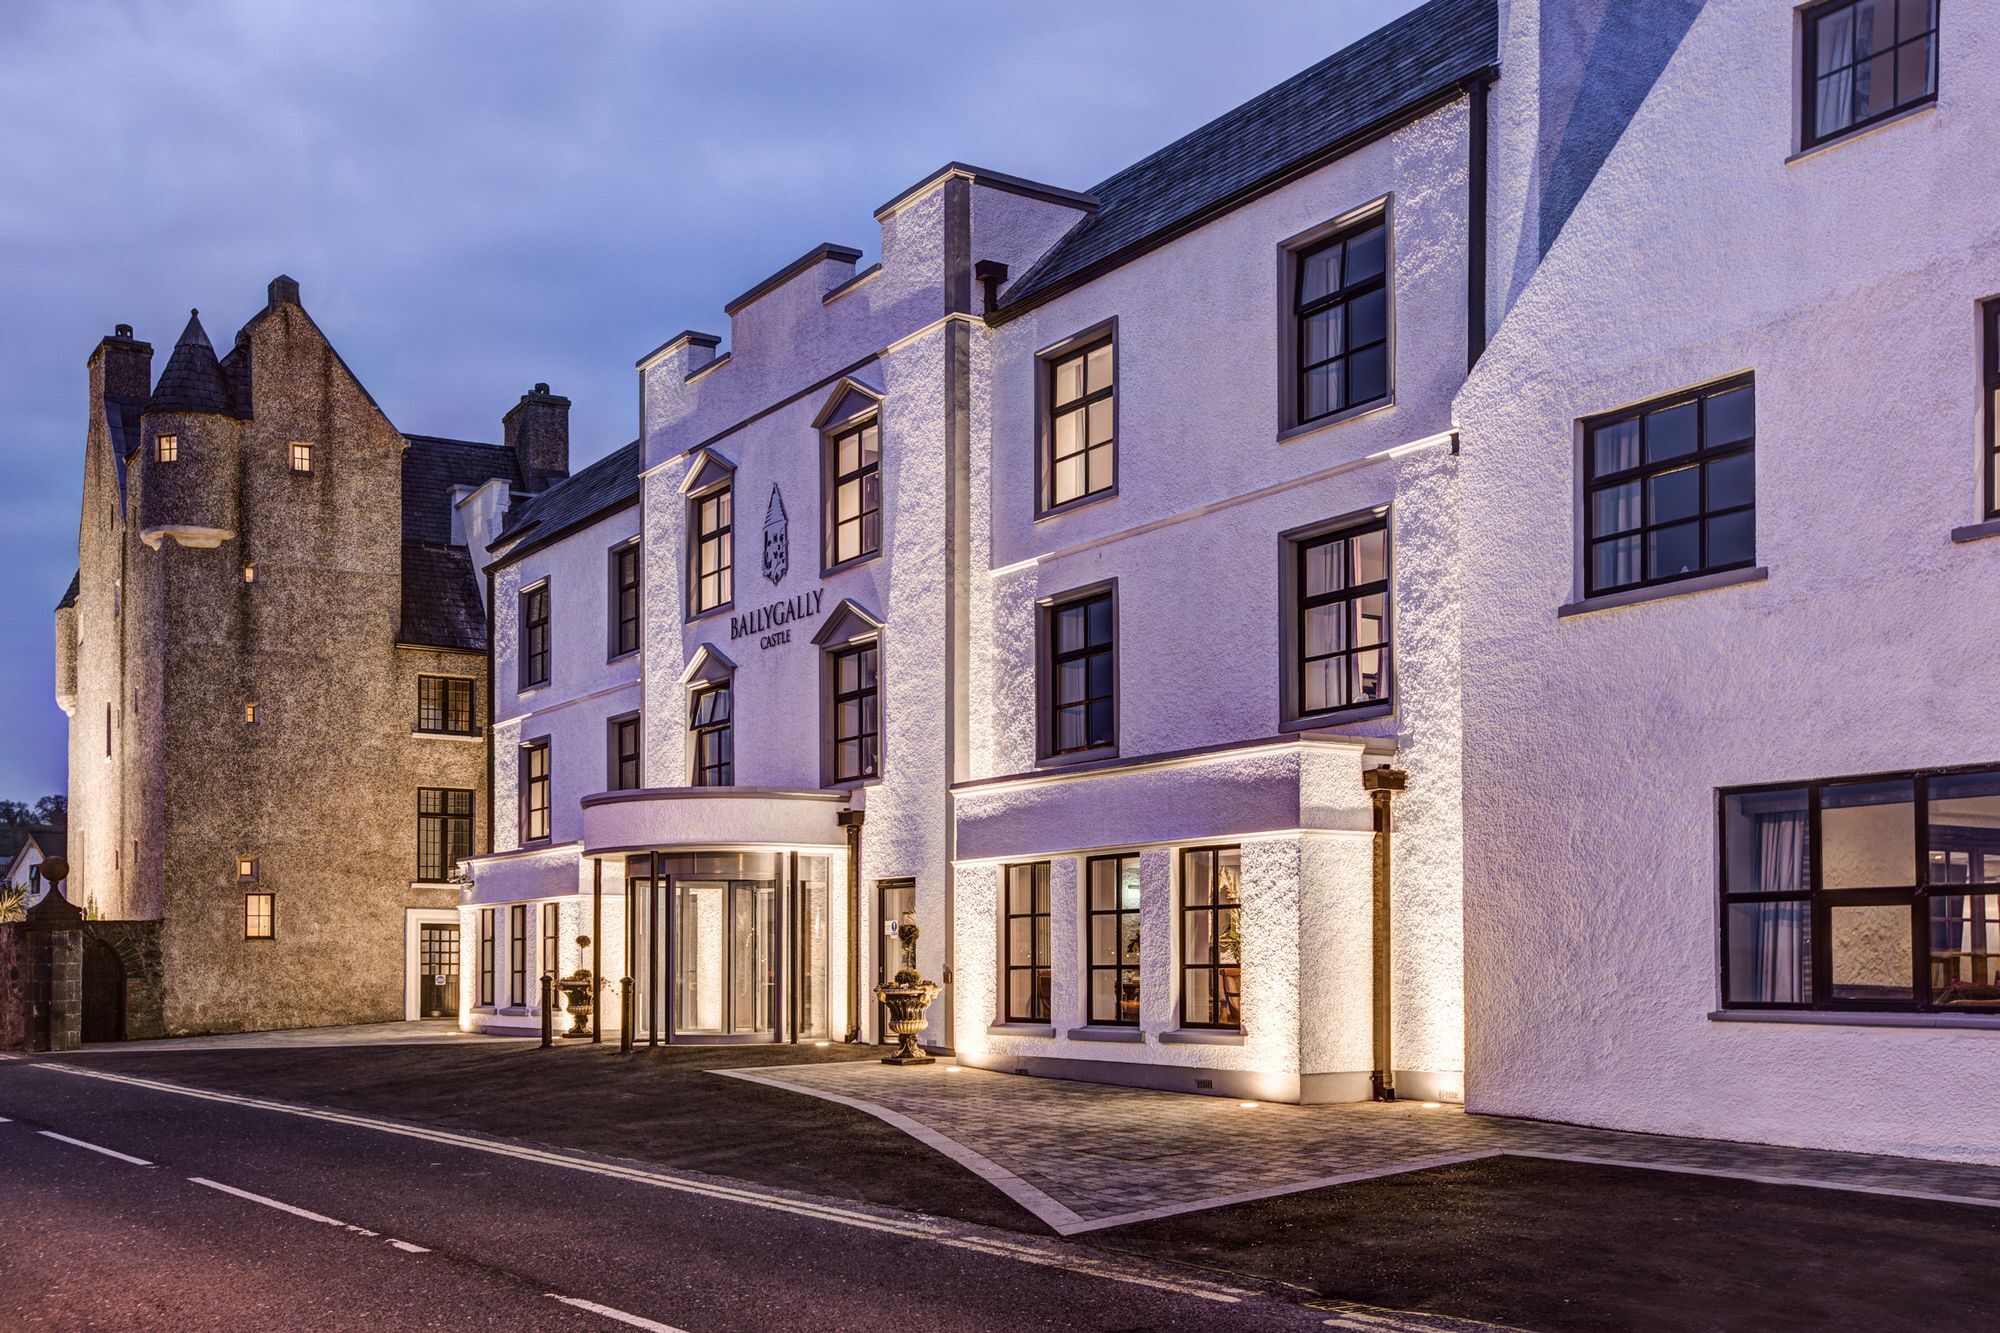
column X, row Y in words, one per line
column 55, row 869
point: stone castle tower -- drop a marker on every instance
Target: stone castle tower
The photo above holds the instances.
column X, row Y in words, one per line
column 266, row 567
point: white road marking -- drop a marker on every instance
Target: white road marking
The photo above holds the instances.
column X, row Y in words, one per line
column 362, row 1231
column 5, row 1121
column 933, row 1230
column 634, row 1320
column 108, row 1152
column 407, row 1248
column 306, row 1213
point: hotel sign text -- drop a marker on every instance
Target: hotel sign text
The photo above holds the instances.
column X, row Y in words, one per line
column 764, row 622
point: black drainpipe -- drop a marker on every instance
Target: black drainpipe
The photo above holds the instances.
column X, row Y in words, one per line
column 1381, row 784
column 851, row 821
column 1475, row 219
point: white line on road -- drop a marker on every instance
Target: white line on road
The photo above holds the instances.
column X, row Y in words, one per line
column 108, row 1152
column 408, row 1248
column 936, row 1231
column 306, row 1213
column 619, row 1315
column 5, row 1121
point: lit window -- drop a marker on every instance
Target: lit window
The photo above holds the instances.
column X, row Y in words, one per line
column 1211, row 947
column 1867, row 59
column 1341, row 604
column 857, row 493
column 535, row 791
column 1340, row 308
column 486, row 956
column 167, row 449
column 714, row 552
column 517, row 955
column 551, row 948
column 1025, row 936
column 1111, row 940
column 249, row 573
column 1080, row 456
column 246, row 868
column 855, row 721
column 250, row 714
column 535, row 636
column 1080, row 681
column 259, row 916
column 302, row 457
column 444, row 832
column 1670, row 489
column 711, row 720
column 444, row 705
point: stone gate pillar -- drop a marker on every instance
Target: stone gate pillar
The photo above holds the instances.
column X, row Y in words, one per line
column 55, row 946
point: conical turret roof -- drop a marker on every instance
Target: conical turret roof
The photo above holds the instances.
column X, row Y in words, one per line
column 193, row 380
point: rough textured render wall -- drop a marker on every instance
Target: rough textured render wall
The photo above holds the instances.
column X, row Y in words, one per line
column 1848, row 281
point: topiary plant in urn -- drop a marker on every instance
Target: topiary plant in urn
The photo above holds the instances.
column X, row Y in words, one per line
column 906, row 998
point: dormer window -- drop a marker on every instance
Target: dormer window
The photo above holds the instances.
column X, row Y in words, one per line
column 167, row 449
column 302, row 457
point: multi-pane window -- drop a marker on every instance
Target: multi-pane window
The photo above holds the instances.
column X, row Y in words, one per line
column 714, row 551
column 534, row 791
column 1865, row 893
column 711, row 724
column 260, row 917
column 444, row 831
column 1340, row 302
column 856, row 726
column 486, row 955
column 1867, row 59
column 1082, row 686
column 1211, row 947
column 1670, row 488
column 444, row 704
column 1111, row 940
column 625, row 599
column 167, row 449
column 1343, row 619
column 624, row 736
column 535, row 636
column 517, row 955
column 1025, row 937
column 1991, row 360
column 857, row 493
column 1082, row 449
column 551, row 924
column 302, row 457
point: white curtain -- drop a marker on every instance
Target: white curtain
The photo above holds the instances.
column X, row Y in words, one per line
column 1836, row 51
column 1780, row 944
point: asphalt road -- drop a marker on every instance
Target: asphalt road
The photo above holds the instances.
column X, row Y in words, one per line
column 160, row 1209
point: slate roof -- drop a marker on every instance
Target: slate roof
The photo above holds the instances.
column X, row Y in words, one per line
column 611, row 481
column 1391, row 70
column 193, row 380
column 442, row 607
column 75, row 586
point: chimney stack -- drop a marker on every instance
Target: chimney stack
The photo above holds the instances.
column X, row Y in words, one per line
column 284, row 290
column 537, row 430
column 121, row 367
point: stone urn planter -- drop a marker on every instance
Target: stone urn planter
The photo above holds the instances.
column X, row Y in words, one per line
column 907, row 998
column 579, row 990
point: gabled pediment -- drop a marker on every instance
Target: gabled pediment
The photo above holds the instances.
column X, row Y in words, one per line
column 709, row 666
column 708, row 470
column 847, row 623
column 848, row 399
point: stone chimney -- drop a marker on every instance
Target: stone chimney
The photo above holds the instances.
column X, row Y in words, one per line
column 537, row 430
column 122, row 368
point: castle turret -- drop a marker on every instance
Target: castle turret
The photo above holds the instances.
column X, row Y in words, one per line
column 187, row 452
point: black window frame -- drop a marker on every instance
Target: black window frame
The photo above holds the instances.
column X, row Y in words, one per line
column 1118, row 966
column 1990, row 376
column 1185, row 913
column 517, row 955
column 1916, row 896
column 551, row 937
column 1343, row 295
column 622, row 753
column 1810, row 77
column 865, row 470
column 167, row 448
column 1079, row 348
column 867, row 699
column 444, row 831
column 1054, row 657
column 436, row 715
column 301, row 457
column 1040, row 943
column 270, row 916
column 1702, row 459
column 536, row 788
column 723, row 538
column 625, row 604
column 534, row 617
column 719, row 769
column 486, row 926
column 1351, row 595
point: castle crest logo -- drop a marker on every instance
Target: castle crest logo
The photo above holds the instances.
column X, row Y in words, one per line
column 777, row 539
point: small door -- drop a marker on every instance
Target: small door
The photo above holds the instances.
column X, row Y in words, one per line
column 437, row 985
column 897, row 898
column 103, row 992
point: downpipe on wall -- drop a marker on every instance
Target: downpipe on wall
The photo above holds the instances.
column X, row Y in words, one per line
column 851, row 821
column 1382, row 784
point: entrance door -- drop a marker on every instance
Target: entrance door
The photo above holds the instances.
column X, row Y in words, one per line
column 437, row 956
column 895, row 899
column 725, row 957
column 103, row 992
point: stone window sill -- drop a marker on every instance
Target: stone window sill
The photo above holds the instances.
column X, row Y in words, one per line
column 1857, row 1019
column 1106, row 1034
column 1340, row 418
column 1020, row 1030
column 1335, row 720
column 1679, row 588
column 1201, row 1037
column 473, row 736
column 1863, row 131
column 1973, row 532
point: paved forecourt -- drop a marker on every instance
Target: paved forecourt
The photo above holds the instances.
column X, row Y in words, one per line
column 1084, row 1156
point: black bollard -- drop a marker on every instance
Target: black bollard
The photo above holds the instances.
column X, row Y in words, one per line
column 625, row 1015
column 548, row 1010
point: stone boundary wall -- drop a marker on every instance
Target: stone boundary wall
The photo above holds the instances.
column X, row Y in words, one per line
column 17, row 996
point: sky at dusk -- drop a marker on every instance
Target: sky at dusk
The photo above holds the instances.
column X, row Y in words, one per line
column 475, row 197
